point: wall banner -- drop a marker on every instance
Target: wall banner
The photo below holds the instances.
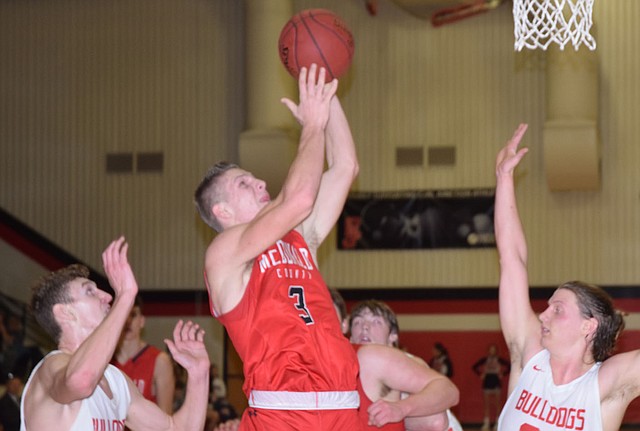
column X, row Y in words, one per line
column 459, row 218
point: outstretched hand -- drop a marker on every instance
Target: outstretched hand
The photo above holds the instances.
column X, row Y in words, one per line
column 315, row 97
column 187, row 347
column 116, row 265
column 509, row 156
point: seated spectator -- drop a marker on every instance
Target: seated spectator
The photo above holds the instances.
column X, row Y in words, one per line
column 220, row 409
column 10, row 402
column 15, row 351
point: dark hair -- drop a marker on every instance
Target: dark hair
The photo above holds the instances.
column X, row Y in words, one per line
column 338, row 301
column 53, row 289
column 443, row 358
column 137, row 302
column 207, row 194
column 378, row 308
column 594, row 302
column 440, row 348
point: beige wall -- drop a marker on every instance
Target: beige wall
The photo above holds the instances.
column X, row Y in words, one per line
column 80, row 79
column 159, row 328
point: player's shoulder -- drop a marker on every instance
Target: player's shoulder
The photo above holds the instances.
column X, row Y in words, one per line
column 620, row 369
column 379, row 354
column 43, row 378
column 618, row 380
column 52, row 363
column 162, row 357
column 222, row 249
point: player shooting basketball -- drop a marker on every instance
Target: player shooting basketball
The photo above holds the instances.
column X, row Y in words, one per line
column 263, row 280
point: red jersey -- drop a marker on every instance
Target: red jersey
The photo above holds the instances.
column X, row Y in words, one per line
column 285, row 328
column 363, row 413
column 140, row 369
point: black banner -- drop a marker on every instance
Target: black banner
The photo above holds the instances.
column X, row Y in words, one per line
column 417, row 220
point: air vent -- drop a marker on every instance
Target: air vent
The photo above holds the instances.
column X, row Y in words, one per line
column 149, row 162
column 119, row 163
column 442, row 156
column 409, row 156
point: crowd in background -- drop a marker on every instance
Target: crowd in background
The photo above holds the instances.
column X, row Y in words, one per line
column 17, row 359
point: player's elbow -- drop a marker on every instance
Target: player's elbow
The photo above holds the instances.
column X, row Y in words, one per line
column 355, row 169
column 435, row 422
column 449, row 393
column 298, row 207
column 82, row 384
column 440, row 423
column 350, row 167
column 300, row 199
column 453, row 394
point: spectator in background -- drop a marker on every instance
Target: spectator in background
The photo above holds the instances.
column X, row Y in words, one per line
column 441, row 362
column 12, row 340
column 150, row 368
column 220, row 410
column 491, row 369
column 10, row 402
column 15, row 351
column 218, row 388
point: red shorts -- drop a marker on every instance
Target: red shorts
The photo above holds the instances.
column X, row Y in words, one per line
column 294, row 420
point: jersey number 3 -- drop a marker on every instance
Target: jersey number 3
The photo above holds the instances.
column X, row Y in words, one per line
column 298, row 293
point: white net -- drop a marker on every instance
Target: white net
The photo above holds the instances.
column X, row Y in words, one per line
column 538, row 23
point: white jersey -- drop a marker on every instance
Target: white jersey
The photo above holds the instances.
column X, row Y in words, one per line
column 98, row 412
column 454, row 425
column 537, row 404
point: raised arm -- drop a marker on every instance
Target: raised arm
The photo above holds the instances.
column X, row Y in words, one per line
column 294, row 202
column 187, row 348
column 520, row 326
column 76, row 376
column 229, row 253
column 342, row 163
column 164, row 382
column 429, row 392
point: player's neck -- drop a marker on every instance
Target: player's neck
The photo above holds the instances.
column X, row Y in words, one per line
column 129, row 348
column 566, row 369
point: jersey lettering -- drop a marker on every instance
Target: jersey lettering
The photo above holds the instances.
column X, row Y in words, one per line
column 298, row 293
column 107, row 424
column 564, row 417
column 527, row 427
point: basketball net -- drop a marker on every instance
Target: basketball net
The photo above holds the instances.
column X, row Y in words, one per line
column 538, row 23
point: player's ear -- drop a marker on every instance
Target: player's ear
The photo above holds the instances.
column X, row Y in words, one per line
column 221, row 211
column 345, row 326
column 589, row 327
column 63, row 312
column 393, row 339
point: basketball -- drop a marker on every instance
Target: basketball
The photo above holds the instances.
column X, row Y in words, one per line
column 316, row 36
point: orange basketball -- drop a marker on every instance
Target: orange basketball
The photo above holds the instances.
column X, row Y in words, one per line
column 316, row 36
